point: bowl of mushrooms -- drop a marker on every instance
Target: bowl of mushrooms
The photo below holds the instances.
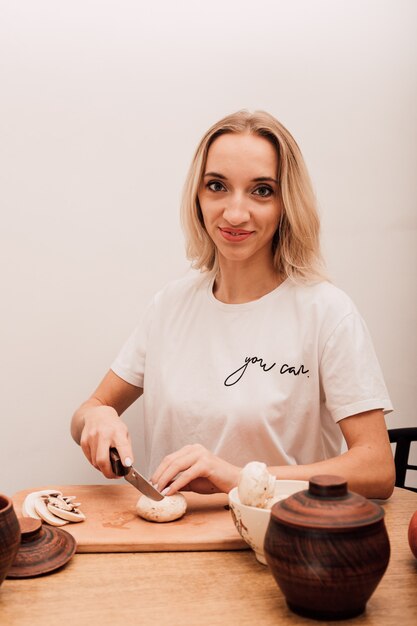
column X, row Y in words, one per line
column 251, row 502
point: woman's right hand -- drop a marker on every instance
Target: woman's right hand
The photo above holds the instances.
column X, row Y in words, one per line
column 104, row 429
column 96, row 425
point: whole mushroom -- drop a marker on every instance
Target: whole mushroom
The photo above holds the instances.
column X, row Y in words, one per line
column 166, row 510
column 256, row 485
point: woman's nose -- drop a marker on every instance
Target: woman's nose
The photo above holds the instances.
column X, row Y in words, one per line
column 236, row 211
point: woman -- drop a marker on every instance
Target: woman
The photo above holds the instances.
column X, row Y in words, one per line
column 257, row 356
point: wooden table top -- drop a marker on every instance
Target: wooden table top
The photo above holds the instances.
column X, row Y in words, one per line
column 198, row 588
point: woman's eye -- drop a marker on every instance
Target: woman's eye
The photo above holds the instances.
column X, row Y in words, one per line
column 264, row 192
column 214, row 185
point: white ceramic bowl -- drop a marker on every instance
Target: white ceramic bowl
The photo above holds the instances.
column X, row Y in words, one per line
column 252, row 522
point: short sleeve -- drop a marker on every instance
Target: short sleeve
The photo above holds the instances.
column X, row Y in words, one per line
column 350, row 374
column 130, row 362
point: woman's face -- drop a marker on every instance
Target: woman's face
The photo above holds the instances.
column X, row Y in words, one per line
column 239, row 197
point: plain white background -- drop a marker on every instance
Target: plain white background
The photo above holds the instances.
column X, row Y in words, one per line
column 102, row 104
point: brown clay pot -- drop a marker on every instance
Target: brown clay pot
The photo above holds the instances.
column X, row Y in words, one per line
column 327, row 548
column 412, row 534
column 9, row 535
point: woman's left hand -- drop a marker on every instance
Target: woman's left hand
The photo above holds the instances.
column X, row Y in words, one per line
column 194, row 468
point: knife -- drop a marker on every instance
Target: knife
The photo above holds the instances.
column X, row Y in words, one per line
column 133, row 477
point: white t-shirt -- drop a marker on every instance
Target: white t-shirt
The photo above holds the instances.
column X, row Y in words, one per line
column 267, row 380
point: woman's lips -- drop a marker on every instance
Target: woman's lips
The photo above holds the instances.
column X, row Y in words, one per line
column 235, row 234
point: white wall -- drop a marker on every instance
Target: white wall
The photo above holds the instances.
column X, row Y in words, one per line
column 101, row 106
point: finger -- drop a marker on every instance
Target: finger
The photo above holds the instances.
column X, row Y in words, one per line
column 185, row 478
column 163, row 467
column 89, row 444
column 175, row 458
column 103, row 459
column 176, row 466
column 125, row 451
column 195, row 470
column 86, row 448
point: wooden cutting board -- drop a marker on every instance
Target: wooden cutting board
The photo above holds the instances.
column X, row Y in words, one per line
column 112, row 524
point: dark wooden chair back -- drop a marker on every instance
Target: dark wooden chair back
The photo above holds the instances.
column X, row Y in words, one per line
column 402, row 437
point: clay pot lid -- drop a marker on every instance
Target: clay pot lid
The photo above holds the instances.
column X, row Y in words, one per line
column 327, row 504
column 43, row 549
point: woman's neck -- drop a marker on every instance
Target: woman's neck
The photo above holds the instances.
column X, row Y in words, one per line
column 236, row 283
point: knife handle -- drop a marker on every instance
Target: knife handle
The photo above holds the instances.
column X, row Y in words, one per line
column 117, row 466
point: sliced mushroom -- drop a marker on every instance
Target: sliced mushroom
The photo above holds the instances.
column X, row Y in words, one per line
column 45, row 514
column 49, row 505
column 60, row 502
column 70, row 499
column 166, row 510
column 28, row 506
column 64, row 511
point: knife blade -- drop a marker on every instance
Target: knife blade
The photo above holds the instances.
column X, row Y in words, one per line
column 133, row 477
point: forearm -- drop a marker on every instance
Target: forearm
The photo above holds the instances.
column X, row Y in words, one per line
column 368, row 472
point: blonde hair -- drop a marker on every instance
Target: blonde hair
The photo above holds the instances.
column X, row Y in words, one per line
column 296, row 244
